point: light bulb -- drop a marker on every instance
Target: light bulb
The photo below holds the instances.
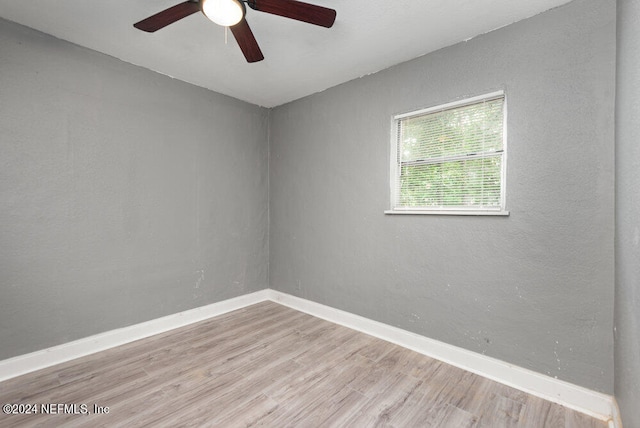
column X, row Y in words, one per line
column 223, row 12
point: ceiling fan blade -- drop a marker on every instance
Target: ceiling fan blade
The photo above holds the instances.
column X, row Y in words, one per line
column 298, row 10
column 247, row 42
column 168, row 16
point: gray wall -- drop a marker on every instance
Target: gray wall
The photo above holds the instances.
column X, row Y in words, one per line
column 125, row 195
column 627, row 320
column 534, row 289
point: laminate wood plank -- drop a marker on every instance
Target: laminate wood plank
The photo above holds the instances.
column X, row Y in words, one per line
column 409, row 363
column 268, row 365
column 277, row 362
column 453, row 416
column 535, row 413
column 274, row 329
column 298, row 384
column 388, row 396
column 165, row 380
column 225, row 354
column 23, row 388
column 555, row 417
column 235, row 396
column 451, row 386
column 75, row 392
column 502, row 410
column 406, row 408
column 344, row 409
column 317, row 328
column 376, row 349
column 439, row 393
column 150, row 409
column 240, row 386
column 248, row 414
column 301, row 411
column 323, row 351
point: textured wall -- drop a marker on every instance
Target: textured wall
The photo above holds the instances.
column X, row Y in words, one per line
column 627, row 320
column 125, row 195
column 535, row 288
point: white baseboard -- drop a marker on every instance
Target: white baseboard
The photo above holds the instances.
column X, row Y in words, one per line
column 584, row 400
column 33, row 361
column 593, row 403
column 616, row 418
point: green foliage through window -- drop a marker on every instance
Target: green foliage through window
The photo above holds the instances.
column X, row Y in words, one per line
column 451, row 158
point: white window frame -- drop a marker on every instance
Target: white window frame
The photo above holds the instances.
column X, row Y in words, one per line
column 394, row 169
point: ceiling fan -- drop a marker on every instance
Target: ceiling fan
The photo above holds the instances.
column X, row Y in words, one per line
column 231, row 13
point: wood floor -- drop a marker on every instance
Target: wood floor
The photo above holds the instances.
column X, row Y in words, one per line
column 268, row 365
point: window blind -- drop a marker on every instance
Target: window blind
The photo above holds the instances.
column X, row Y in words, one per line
column 451, row 158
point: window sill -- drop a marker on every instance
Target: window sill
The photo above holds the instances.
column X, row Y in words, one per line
column 446, row 212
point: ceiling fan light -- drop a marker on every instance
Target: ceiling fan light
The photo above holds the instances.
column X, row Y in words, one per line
column 223, row 12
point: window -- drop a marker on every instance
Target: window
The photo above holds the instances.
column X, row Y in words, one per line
column 450, row 159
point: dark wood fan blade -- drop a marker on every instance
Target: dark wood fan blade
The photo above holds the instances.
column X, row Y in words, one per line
column 168, row 16
column 298, row 10
column 247, row 42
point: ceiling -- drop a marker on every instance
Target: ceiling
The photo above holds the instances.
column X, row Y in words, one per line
column 300, row 59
